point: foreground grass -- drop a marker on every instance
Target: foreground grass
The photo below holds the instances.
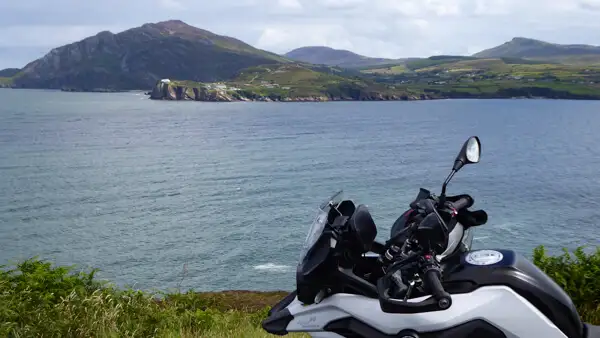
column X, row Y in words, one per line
column 37, row 299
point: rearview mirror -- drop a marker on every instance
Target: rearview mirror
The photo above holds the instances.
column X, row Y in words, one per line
column 470, row 153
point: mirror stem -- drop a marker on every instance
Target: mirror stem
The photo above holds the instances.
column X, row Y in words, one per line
column 443, row 195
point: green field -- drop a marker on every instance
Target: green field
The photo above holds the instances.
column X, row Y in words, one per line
column 41, row 300
column 397, row 69
column 468, row 77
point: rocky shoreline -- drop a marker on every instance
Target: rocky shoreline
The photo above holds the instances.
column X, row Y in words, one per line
column 176, row 92
column 171, row 92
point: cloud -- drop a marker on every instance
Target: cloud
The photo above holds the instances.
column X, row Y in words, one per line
column 291, row 4
column 171, row 4
column 385, row 28
column 317, row 35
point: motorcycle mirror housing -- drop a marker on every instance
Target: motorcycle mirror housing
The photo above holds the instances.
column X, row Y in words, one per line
column 469, row 153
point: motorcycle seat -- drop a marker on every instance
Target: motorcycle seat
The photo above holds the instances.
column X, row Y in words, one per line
column 592, row 331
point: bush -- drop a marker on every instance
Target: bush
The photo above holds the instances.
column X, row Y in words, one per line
column 578, row 274
column 37, row 299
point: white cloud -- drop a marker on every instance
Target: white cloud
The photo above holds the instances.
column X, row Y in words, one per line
column 386, row 28
column 291, row 4
column 171, row 4
column 47, row 35
column 287, row 37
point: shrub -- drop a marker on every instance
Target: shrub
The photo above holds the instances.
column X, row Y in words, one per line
column 578, row 274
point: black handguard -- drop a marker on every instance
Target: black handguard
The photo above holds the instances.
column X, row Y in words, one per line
column 463, row 202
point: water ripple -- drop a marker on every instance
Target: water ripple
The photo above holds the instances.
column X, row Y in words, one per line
column 139, row 188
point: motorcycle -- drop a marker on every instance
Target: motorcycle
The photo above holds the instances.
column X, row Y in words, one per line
column 424, row 282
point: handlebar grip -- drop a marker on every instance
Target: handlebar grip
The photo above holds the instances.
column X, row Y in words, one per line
column 431, row 277
column 463, row 202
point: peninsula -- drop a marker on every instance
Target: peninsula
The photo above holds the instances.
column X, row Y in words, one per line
column 175, row 61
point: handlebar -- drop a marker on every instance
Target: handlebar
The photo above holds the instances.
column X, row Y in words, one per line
column 427, row 266
column 431, row 278
column 430, row 272
column 463, row 202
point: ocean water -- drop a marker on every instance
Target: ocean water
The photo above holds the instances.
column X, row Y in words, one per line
column 213, row 196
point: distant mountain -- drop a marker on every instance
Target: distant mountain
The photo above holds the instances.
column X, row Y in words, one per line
column 335, row 57
column 9, row 72
column 138, row 57
column 535, row 49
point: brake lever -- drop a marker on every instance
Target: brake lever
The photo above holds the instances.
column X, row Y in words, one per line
column 393, row 305
column 411, row 285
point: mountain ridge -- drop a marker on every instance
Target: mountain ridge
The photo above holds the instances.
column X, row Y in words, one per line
column 137, row 57
column 522, row 47
column 335, row 57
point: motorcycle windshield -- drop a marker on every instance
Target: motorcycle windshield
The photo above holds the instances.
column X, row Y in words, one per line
column 317, row 226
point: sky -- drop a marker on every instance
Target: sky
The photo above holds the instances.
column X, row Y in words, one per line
column 378, row 28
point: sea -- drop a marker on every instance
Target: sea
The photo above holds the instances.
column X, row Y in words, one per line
column 215, row 196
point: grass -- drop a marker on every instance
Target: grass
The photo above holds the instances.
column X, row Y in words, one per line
column 397, row 69
column 38, row 299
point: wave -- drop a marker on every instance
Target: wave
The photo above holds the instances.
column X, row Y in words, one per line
column 273, row 267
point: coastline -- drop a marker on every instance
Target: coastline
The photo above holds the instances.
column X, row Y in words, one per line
column 174, row 93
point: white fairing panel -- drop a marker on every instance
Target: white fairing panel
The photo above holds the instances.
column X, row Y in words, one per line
column 325, row 335
column 498, row 305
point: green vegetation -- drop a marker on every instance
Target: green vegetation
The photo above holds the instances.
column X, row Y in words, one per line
column 578, row 273
column 6, row 81
column 438, row 77
column 37, row 299
column 433, row 61
column 452, row 77
column 393, row 69
column 290, row 82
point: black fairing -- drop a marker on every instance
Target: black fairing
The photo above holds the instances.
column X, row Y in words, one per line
column 524, row 278
column 356, row 230
column 312, row 272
